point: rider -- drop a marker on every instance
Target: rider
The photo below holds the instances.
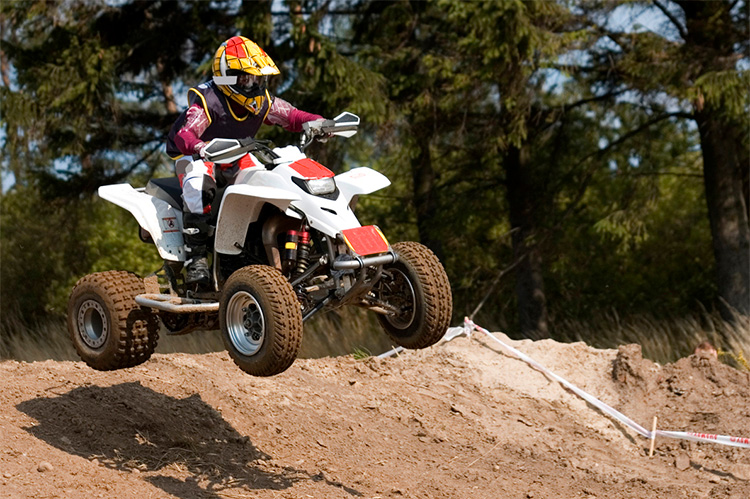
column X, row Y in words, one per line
column 232, row 105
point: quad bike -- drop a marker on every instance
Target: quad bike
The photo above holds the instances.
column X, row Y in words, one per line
column 286, row 245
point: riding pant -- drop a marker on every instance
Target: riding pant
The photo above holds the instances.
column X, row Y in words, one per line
column 199, row 180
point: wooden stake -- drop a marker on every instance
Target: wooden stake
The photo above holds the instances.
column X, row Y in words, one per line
column 653, row 438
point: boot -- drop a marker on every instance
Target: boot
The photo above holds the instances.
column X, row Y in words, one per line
column 196, row 232
column 197, row 271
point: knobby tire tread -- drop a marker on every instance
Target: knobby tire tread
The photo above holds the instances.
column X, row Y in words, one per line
column 436, row 291
column 136, row 329
column 284, row 315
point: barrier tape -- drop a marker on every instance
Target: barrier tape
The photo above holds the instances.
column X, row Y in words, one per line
column 391, row 353
column 469, row 326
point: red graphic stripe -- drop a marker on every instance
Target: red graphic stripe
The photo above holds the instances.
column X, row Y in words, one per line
column 311, row 169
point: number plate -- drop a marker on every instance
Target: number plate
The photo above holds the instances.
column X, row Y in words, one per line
column 367, row 240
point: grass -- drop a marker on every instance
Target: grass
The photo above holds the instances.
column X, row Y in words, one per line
column 34, row 342
column 664, row 340
column 334, row 333
column 351, row 331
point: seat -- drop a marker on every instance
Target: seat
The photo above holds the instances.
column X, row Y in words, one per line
column 167, row 189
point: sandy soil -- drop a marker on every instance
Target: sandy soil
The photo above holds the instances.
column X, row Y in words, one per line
column 457, row 420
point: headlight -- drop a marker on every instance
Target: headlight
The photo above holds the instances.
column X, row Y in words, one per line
column 320, row 186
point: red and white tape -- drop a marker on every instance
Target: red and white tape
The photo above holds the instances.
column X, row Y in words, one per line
column 469, row 327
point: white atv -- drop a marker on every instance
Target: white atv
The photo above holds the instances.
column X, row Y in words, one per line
column 286, row 245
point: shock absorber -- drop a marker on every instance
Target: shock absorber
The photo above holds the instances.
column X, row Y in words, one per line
column 289, row 253
column 303, row 252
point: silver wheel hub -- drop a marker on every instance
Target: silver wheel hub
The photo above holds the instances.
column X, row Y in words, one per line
column 93, row 327
column 245, row 323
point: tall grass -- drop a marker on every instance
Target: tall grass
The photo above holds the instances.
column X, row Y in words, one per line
column 329, row 334
column 664, row 340
column 38, row 340
column 355, row 331
column 334, row 333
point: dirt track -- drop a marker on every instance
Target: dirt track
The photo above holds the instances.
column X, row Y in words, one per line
column 457, row 420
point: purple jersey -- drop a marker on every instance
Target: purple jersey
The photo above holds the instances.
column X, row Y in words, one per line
column 210, row 115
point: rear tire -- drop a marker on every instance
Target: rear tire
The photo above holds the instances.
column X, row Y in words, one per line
column 108, row 328
column 261, row 320
column 418, row 285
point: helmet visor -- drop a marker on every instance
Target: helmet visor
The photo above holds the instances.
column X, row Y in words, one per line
column 248, row 82
column 249, row 85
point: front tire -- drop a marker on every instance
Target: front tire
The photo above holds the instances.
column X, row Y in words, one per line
column 417, row 285
column 108, row 328
column 261, row 321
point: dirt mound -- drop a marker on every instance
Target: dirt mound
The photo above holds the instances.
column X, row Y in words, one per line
column 456, row 420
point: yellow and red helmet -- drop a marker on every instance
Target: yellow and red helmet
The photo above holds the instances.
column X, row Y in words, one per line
column 241, row 70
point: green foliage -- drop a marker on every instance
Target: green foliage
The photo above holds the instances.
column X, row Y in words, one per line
column 698, row 72
column 47, row 245
column 92, row 96
column 643, row 222
column 446, row 90
column 725, row 90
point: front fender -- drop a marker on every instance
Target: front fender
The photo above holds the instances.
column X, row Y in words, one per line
column 161, row 220
column 362, row 180
column 240, row 207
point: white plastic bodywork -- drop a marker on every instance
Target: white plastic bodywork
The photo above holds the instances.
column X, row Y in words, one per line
column 361, row 180
column 288, row 154
column 328, row 216
column 347, row 118
column 276, row 187
column 162, row 221
column 241, row 206
column 244, row 200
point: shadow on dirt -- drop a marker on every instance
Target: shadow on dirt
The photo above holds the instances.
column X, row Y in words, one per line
column 131, row 428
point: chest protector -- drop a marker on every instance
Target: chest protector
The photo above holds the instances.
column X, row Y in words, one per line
column 223, row 122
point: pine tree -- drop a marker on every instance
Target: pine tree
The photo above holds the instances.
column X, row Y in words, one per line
column 92, row 98
column 694, row 58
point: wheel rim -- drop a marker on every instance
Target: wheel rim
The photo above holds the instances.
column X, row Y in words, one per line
column 93, row 327
column 245, row 323
column 401, row 294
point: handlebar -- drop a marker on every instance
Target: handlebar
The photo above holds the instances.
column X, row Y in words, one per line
column 345, row 125
column 313, row 130
column 229, row 150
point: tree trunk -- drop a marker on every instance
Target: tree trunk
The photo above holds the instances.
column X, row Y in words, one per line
column 424, row 177
column 532, row 302
column 727, row 210
column 710, row 44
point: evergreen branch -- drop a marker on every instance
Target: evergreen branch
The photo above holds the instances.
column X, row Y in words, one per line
column 615, row 37
column 499, row 276
column 592, row 169
column 632, row 133
column 571, row 68
column 338, row 12
column 596, row 98
column 131, row 168
column 664, row 10
column 477, row 184
column 661, row 174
